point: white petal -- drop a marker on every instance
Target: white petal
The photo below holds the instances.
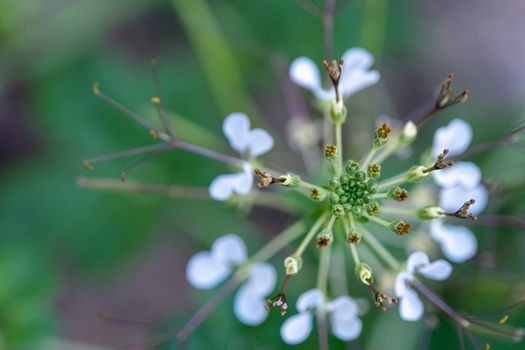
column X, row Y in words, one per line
column 438, row 270
column 455, row 137
column 262, row 278
column 401, row 283
column 259, row 142
column 311, row 299
column 457, row 242
column 249, row 307
column 204, row 272
column 224, row 186
column 410, row 307
column 464, row 174
column 451, row 199
column 355, row 75
column 346, row 328
column 296, row 329
column 417, row 260
column 236, row 127
column 305, row 73
column 229, row 250
column 343, row 305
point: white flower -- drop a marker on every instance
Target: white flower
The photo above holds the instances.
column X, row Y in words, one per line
column 250, row 143
column 206, row 270
column 343, row 313
column 410, row 306
column 355, row 76
column 459, row 184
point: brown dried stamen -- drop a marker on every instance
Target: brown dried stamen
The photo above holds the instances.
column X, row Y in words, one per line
column 463, row 213
column 266, row 178
column 381, row 298
column 334, row 72
column 440, row 162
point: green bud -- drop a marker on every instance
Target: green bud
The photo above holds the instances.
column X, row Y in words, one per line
column 358, row 210
column 381, row 135
column 416, row 173
column 373, row 209
column 374, row 170
column 338, row 112
column 397, row 193
column 429, row 213
column 335, row 182
column 399, row 227
column 338, row 210
column 293, row 264
column 409, row 133
column 290, row 180
column 364, row 273
column 351, row 167
column 324, row 238
column 360, row 176
column 334, row 198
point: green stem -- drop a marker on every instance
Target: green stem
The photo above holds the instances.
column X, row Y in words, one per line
column 368, row 158
column 390, row 148
column 378, row 220
column 310, row 235
column 380, row 195
column 394, row 180
column 353, row 248
column 379, row 249
column 339, row 145
column 399, row 211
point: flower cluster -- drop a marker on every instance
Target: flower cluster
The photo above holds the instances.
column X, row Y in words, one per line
column 351, row 205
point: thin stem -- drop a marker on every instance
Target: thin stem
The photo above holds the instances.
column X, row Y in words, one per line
column 378, row 220
column 398, row 211
column 339, row 145
column 328, row 30
column 392, row 181
column 353, row 248
column 210, row 153
column 368, row 158
column 310, row 235
column 379, row 249
column 390, row 148
column 380, row 195
column 322, row 279
column 130, row 152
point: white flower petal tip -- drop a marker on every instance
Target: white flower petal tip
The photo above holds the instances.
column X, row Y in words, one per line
column 452, row 198
column 417, row 260
column 229, row 250
column 438, row 270
column 254, row 142
column 355, row 75
column 249, row 307
column 297, row 328
column 311, row 299
column 457, row 242
column 346, row 329
column 225, row 186
column 462, row 174
column 203, row 271
column 455, row 137
column 411, row 307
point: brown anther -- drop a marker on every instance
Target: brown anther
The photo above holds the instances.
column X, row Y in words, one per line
column 403, row 228
column 330, row 151
column 87, row 165
column 463, row 213
column 323, row 242
column 440, row 162
column 447, row 97
column 383, row 131
column 266, row 178
column 279, row 301
column 401, row 195
column 381, row 298
column 316, row 194
column 503, row 320
column 334, row 72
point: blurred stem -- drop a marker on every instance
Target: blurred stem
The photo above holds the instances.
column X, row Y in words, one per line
column 214, row 55
column 311, row 233
column 398, row 211
column 392, row 181
column 379, row 249
column 390, row 148
column 339, row 145
column 353, row 248
column 373, row 28
column 328, row 28
column 322, row 280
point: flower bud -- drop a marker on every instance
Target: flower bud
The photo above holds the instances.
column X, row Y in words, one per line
column 374, row 170
column 397, row 193
column 399, row 227
column 290, row 180
column 324, row 238
column 338, row 112
column 381, row 135
column 351, row 167
column 316, row 194
column 293, row 264
column 330, row 152
column 338, row 210
column 372, row 209
column 364, row 273
column 416, row 173
column 353, row 237
column 429, row 213
column 409, row 133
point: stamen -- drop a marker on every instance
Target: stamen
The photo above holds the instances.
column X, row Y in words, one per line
column 440, row 163
column 462, row 213
column 503, row 320
column 157, row 101
column 266, row 178
column 334, row 72
column 380, row 297
column 447, row 97
column 138, row 163
column 88, row 163
column 279, row 301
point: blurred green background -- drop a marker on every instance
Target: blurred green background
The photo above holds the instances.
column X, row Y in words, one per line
column 67, row 253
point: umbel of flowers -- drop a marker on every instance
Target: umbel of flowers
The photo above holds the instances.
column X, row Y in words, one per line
column 353, row 205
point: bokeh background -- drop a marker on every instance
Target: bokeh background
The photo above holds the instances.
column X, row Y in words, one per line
column 68, row 253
